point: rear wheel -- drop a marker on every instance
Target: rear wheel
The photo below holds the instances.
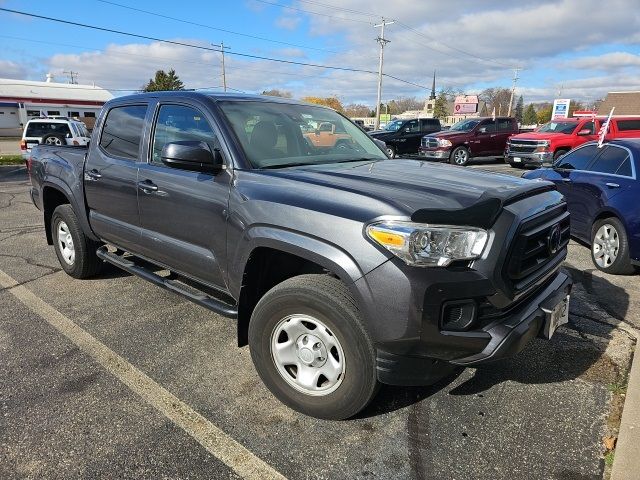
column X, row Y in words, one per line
column 54, row 139
column 76, row 253
column 459, row 156
column 610, row 247
column 310, row 347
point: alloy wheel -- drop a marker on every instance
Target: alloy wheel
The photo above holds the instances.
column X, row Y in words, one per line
column 606, row 245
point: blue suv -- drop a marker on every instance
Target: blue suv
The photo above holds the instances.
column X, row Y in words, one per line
column 603, row 196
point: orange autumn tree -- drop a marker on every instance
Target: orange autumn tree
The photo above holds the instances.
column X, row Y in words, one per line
column 332, row 102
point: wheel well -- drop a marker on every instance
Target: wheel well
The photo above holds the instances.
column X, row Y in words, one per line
column 265, row 269
column 51, row 199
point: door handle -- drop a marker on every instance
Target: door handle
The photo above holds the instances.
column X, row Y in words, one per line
column 566, row 180
column 147, row 186
column 92, row 175
column 612, row 185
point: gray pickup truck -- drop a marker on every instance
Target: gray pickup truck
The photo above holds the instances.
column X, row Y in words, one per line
column 344, row 269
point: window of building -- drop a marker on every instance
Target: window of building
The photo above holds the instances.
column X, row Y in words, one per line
column 53, row 112
column 122, row 131
column 89, row 114
column 73, row 114
column 33, row 113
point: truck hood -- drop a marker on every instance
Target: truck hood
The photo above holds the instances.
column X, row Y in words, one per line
column 540, row 136
column 449, row 134
column 381, row 134
column 423, row 191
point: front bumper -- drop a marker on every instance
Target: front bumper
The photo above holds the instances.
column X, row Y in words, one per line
column 538, row 158
column 440, row 154
column 505, row 336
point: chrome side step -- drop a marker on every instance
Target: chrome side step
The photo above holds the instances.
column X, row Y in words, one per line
column 190, row 293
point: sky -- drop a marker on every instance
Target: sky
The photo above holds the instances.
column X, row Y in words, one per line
column 578, row 49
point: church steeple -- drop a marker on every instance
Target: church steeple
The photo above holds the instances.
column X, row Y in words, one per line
column 433, row 87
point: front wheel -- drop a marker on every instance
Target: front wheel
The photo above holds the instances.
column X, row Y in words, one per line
column 459, row 156
column 309, row 346
column 391, row 152
column 610, row 247
column 76, row 253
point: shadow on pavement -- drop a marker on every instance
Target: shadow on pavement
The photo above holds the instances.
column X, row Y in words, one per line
column 13, row 173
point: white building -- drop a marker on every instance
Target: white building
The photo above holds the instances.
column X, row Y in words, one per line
column 21, row 100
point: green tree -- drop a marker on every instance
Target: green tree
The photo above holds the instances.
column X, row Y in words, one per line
column 529, row 117
column 544, row 114
column 519, row 113
column 274, row 92
column 440, row 106
column 164, row 81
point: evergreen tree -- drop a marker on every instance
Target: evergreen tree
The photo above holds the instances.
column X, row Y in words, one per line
column 440, row 106
column 519, row 109
column 529, row 117
column 164, row 81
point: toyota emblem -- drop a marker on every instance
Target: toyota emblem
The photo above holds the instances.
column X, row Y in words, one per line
column 554, row 239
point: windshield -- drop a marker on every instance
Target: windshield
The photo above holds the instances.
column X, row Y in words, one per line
column 275, row 135
column 558, row 127
column 465, row 125
column 393, row 126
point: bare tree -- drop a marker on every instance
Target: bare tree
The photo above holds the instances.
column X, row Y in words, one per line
column 274, row 92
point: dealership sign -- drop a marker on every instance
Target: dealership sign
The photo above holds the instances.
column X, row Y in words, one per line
column 560, row 108
column 465, row 104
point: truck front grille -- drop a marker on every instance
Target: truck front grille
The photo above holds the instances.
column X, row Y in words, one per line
column 523, row 146
column 539, row 246
column 429, row 142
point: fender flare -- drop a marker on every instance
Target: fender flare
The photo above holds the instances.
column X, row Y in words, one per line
column 63, row 188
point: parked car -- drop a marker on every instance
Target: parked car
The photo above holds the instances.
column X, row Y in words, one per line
column 557, row 137
column 403, row 136
column 473, row 137
column 327, row 136
column 53, row 131
column 602, row 192
column 341, row 273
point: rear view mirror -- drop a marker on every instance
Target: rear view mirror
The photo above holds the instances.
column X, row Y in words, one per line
column 192, row 155
column 584, row 131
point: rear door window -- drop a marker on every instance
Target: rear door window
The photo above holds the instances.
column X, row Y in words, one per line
column 412, row 127
column 613, row 161
column 626, row 125
column 505, row 125
column 489, row 126
column 122, row 131
column 578, row 159
column 40, row 129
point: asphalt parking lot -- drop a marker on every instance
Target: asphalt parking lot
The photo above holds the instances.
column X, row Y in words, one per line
column 115, row 378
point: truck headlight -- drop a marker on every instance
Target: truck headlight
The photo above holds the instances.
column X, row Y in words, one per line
column 424, row 245
column 443, row 142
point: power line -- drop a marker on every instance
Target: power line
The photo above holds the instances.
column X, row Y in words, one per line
column 335, row 7
column 311, row 12
column 201, row 47
column 189, row 22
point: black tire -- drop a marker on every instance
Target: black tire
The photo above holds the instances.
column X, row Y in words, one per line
column 391, row 152
column 622, row 263
column 516, row 165
column 559, row 153
column 326, row 299
column 53, row 139
column 460, row 156
column 85, row 263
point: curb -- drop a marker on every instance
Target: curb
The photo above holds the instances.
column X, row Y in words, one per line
column 626, row 463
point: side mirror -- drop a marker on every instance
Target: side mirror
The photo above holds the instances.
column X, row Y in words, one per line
column 482, row 130
column 584, row 131
column 192, row 155
column 407, row 130
column 68, row 135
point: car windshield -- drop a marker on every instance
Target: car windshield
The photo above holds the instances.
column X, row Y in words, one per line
column 465, row 125
column 277, row 135
column 393, row 126
column 559, row 127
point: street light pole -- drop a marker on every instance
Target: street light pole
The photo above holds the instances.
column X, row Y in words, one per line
column 382, row 41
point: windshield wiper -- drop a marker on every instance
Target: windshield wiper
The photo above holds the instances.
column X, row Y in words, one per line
column 285, row 165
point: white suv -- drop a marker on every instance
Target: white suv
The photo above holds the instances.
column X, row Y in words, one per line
column 53, row 131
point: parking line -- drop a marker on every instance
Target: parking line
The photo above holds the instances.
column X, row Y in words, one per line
column 214, row 440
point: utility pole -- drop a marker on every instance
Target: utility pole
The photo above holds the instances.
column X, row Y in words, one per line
column 382, row 41
column 224, row 72
column 72, row 76
column 513, row 88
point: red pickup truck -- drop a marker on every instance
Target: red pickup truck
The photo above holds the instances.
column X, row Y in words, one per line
column 557, row 137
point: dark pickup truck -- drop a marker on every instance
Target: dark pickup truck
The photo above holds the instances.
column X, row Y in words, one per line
column 344, row 269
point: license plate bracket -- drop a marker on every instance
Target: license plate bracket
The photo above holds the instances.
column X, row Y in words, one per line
column 556, row 316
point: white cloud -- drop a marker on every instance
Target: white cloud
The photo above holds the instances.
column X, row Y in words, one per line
column 609, row 62
column 288, row 22
column 9, row 69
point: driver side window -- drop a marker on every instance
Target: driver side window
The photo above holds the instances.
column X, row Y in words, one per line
column 412, row 127
column 487, row 127
column 577, row 159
